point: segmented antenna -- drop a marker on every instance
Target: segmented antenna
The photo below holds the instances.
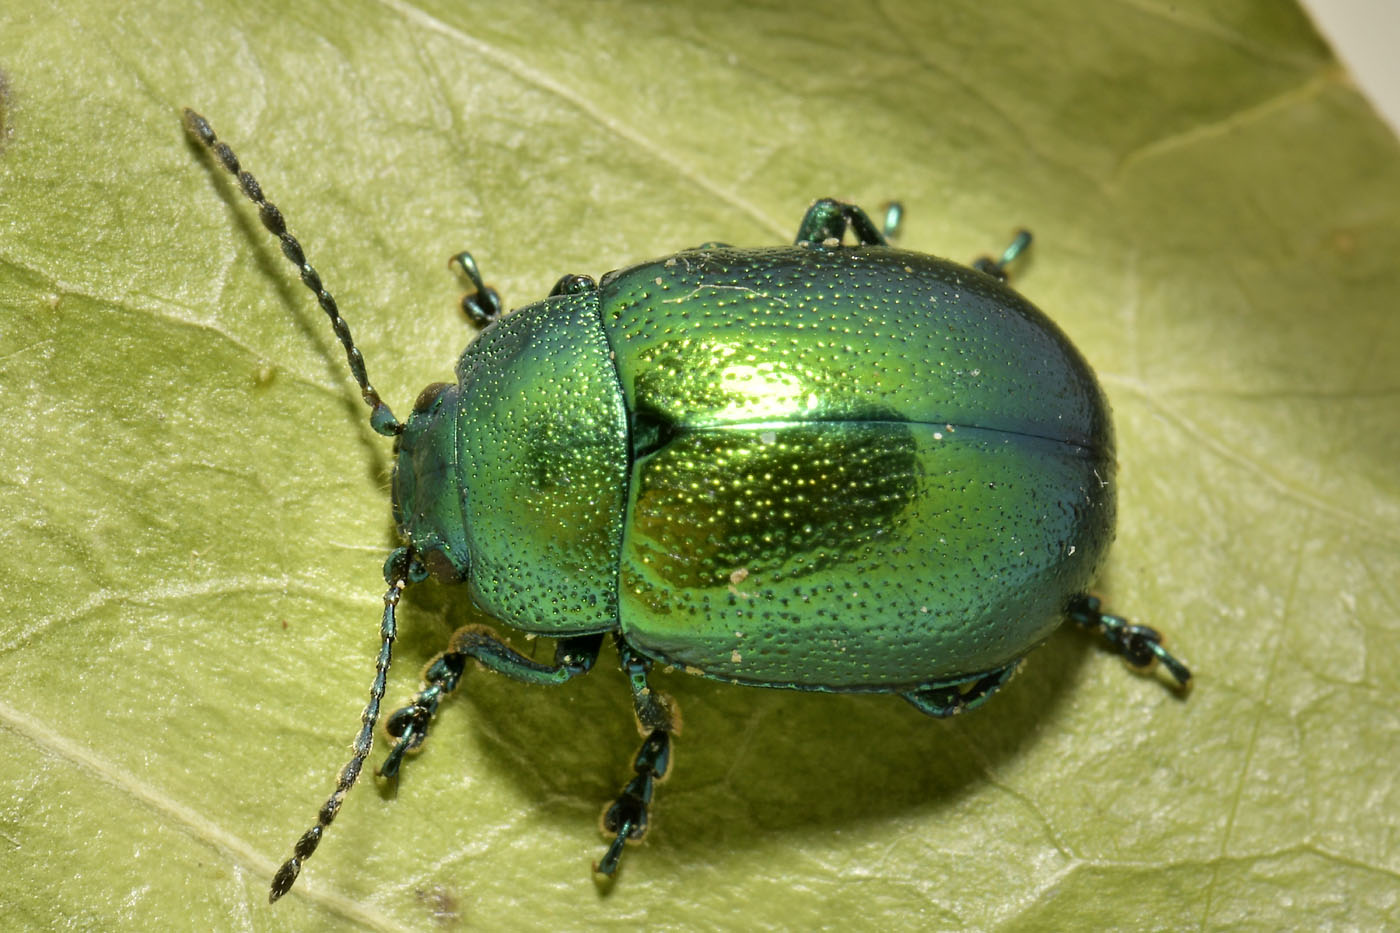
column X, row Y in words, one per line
column 380, row 417
column 401, row 569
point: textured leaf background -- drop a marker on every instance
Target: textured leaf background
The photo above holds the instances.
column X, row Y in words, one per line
column 195, row 510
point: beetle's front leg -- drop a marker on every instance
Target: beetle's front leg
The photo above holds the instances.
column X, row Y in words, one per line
column 626, row 817
column 572, row 657
column 482, row 304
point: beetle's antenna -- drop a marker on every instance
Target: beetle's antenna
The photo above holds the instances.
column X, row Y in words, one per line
column 401, row 569
column 380, row 418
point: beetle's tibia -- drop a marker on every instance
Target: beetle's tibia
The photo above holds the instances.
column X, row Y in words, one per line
column 1140, row 645
column 942, row 702
column 654, row 709
column 409, row 725
column 483, row 303
column 381, row 418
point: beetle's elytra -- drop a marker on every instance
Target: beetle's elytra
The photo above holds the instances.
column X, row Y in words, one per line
column 844, row 468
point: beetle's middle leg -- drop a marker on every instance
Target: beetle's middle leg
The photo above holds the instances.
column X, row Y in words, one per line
column 626, row 817
column 572, row 657
column 960, row 697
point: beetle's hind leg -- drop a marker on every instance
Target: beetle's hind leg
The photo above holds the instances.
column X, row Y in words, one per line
column 409, row 725
column 1140, row 645
column 943, row 702
column 626, row 817
column 828, row 220
column 996, row 268
column 893, row 221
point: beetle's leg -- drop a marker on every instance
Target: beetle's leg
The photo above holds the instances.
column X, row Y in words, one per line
column 573, row 285
column 572, row 657
column 626, row 817
column 409, row 724
column 996, row 268
column 1140, row 645
column 483, row 303
column 894, row 219
column 828, row 219
column 956, row 698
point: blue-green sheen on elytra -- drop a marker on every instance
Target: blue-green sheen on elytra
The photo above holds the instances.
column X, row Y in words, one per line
column 849, row 468
column 821, row 467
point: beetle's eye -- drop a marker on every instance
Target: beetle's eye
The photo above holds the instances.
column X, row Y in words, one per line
column 428, row 396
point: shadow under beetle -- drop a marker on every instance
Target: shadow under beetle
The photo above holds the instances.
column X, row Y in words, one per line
column 844, row 468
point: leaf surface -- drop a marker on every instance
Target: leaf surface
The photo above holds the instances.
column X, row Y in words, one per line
column 196, row 510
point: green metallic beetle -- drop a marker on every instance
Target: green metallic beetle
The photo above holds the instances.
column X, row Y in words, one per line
column 844, row 468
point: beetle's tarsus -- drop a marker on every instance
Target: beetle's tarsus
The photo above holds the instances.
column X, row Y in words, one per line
column 409, row 724
column 1140, row 645
column 608, row 864
column 894, row 219
column 996, row 268
column 626, row 817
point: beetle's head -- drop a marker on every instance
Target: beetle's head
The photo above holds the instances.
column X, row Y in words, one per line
column 428, row 484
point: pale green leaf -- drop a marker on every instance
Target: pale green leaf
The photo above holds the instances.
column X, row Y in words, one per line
column 195, row 510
